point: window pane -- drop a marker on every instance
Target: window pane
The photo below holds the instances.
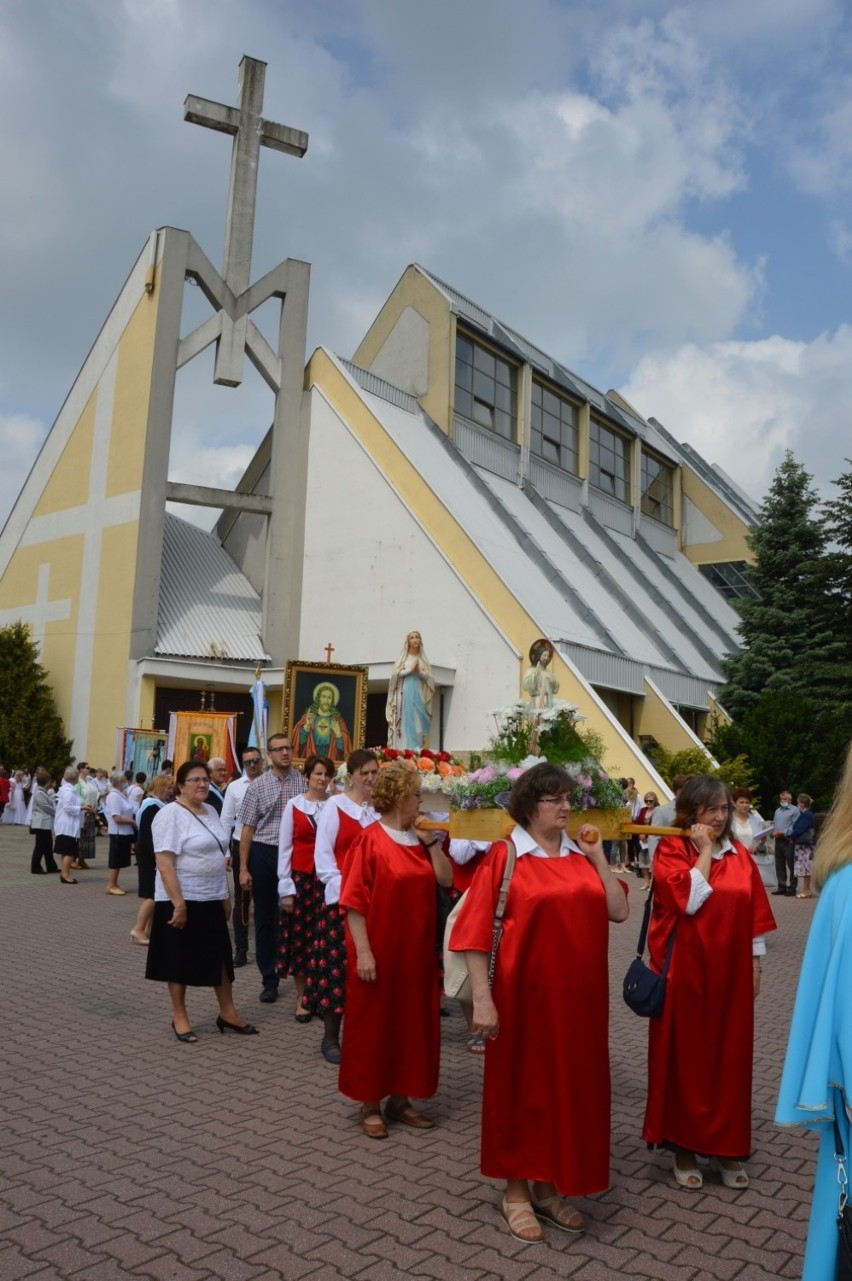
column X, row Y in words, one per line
column 550, row 451
column 464, row 349
column 484, row 360
column 482, row 414
column 464, row 404
column 464, row 375
column 483, row 387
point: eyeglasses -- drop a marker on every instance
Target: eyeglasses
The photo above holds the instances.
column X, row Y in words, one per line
column 282, row 747
column 251, row 760
column 198, row 781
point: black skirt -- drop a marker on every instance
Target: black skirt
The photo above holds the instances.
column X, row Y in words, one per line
column 194, row 955
column 119, row 852
column 66, row 846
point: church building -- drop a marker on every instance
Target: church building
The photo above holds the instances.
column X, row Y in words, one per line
column 451, row 478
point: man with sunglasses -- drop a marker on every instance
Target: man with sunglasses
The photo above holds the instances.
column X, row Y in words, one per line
column 234, row 794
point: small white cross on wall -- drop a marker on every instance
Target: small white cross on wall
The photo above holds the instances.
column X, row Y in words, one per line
column 42, row 611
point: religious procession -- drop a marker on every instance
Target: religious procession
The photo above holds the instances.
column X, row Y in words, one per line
column 524, row 990
column 397, row 881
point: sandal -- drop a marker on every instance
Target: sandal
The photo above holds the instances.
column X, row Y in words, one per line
column 408, row 1116
column 559, row 1212
column 521, row 1221
column 372, row 1124
column 692, row 1180
column 476, row 1043
column 736, row 1179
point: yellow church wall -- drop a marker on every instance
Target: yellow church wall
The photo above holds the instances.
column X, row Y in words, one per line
column 468, row 562
column 68, row 485
column 415, row 291
column 18, row 590
column 732, row 545
column 130, row 400
column 144, row 711
column 656, row 719
column 111, row 643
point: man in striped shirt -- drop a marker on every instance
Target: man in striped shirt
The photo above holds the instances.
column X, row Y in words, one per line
column 260, row 815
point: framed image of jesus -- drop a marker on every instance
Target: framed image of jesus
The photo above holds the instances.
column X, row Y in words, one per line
column 325, row 709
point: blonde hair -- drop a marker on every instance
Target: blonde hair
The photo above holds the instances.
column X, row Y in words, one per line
column 834, row 848
column 393, row 784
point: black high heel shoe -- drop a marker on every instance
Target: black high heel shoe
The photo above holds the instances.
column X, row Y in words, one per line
column 247, row 1030
column 188, row 1038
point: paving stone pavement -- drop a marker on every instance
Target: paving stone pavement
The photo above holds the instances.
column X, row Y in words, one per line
column 125, row 1154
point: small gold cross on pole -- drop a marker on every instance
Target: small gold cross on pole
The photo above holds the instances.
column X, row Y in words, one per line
column 329, row 650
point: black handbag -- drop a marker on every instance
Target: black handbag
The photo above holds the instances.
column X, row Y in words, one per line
column 643, row 990
column 844, row 1210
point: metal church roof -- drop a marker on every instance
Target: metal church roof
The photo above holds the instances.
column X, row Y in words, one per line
column 208, row 608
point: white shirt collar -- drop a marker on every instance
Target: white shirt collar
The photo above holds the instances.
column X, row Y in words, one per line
column 524, row 844
column 725, row 848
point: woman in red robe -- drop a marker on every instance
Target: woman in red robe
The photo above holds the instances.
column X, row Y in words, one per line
column 392, row 1045
column 700, row 1052
column 546, row 1097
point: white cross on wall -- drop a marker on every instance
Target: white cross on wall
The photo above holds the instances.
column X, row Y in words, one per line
column 43, row 610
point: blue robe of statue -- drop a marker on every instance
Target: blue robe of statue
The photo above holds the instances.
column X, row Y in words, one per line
column 818, row 1067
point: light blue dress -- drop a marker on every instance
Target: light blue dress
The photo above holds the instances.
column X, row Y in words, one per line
column 415, row 717
column 818, row 1067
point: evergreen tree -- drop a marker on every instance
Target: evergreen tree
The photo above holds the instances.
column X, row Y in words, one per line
column 837, row 585
column 789, row 646
column 31, row 731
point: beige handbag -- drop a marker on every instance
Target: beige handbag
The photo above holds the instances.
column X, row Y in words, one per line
column 456, row 977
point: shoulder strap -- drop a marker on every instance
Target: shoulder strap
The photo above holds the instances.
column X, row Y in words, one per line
column 207, row 829
column 497, row 932
column 643, row 934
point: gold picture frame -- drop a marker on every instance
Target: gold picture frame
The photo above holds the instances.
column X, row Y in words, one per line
column 325, row 709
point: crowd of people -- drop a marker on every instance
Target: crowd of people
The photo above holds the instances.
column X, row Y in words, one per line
column 345, row 888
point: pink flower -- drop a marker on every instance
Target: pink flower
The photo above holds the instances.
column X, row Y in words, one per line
column 515, row 772
column 487, row 774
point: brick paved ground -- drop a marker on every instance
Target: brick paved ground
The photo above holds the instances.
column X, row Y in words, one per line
column 124, row 1154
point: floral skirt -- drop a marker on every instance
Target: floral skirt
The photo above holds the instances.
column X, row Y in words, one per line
column 297, row 933
column 803, row 858
column 325, row 992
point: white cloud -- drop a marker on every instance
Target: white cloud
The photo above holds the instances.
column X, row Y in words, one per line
column 742, row 404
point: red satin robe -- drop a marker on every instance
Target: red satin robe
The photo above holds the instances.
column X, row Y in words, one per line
column 700, row 1053
column 392, row 1035
column 546, row 1095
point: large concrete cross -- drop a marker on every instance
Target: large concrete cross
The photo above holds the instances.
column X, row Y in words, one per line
column 250, row 131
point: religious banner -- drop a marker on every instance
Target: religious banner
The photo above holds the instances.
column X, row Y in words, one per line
column 198, row 736
column 325, row 709
column 141, row 751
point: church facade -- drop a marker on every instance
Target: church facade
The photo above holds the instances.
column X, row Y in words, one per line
column 452, row 477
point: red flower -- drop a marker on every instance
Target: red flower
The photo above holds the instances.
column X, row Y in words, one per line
column 408, row 755
column 444, row 756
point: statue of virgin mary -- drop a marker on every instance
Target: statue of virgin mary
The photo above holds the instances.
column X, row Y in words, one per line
column 410, row 691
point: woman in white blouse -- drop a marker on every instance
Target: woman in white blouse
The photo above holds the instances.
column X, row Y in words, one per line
column 299, row 891
column 66, row 825
column 190, row 945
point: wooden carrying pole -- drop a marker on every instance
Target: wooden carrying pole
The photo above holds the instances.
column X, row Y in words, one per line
column 629, row 829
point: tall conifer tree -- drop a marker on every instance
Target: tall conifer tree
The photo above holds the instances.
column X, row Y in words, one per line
column 788, row 640
column 31, row 731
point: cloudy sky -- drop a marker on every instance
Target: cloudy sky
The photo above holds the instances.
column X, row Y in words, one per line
column 657, row 194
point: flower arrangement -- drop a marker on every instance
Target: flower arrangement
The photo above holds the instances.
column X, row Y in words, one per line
column 523, row 739
column 438, row 769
